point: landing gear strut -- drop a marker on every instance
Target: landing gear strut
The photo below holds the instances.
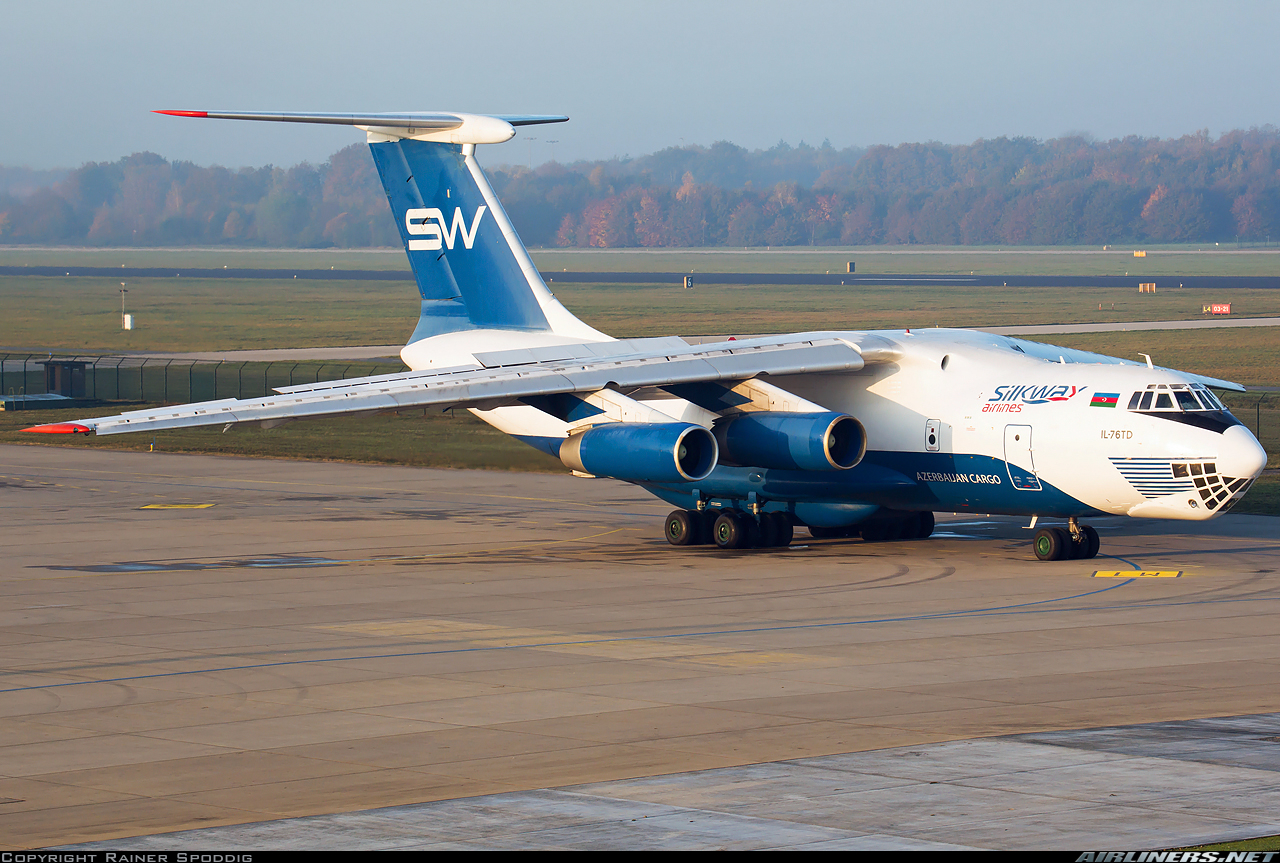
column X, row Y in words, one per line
column 1075, row 542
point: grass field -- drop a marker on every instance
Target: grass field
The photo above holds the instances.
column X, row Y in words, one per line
column 184, row 314
column 83, row 314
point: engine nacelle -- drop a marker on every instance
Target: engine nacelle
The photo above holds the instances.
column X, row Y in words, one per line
column 792, row 441
column 643, row 452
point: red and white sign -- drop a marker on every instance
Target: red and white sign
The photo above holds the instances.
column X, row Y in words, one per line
column 1220, row 309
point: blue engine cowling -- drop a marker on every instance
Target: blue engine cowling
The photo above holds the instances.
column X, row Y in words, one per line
column 643, row 452
column 792, row 441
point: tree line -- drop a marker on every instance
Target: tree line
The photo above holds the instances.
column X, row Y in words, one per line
column 1004, row 191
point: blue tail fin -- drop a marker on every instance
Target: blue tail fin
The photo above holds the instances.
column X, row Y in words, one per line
column 472, row 270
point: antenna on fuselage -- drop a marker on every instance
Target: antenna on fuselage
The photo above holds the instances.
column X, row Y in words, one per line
column 1148, row 356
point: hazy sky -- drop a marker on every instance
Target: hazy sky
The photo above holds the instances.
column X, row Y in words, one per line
column 80, row 77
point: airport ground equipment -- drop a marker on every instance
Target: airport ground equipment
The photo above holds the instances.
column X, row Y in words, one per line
column 847, row 433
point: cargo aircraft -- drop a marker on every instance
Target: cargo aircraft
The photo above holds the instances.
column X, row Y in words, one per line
column 846, row 433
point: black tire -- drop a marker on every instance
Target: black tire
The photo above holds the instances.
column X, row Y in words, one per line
column 825, row 532
column 925, row 526
column 683, row 527
column 730, row 532
column 1069, row 547
column 768, row 530
column 874, row 531
column 1049, row 543
column 785, row 530
column 1092, row 543
column 706, row 527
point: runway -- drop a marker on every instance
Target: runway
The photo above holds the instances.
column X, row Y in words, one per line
column 192, row 641
column 608, row 277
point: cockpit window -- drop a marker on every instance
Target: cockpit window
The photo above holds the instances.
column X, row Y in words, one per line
column 1175, row 397
column 1210, row 400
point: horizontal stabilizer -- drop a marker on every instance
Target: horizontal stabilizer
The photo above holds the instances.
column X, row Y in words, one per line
column 440, row 126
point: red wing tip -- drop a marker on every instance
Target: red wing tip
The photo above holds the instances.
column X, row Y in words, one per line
column 183, row 113
column 60, row 428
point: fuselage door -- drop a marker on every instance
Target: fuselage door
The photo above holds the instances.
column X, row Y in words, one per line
column 1019, row 458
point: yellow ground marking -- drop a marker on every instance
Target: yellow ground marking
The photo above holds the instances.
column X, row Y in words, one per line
column 176, row 506
column 1138, row 573
column 573, row 643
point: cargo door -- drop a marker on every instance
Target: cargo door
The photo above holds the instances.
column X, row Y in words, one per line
column 1019, row 458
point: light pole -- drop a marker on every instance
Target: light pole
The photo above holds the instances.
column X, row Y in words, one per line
column 122, row 293
column 553, row 149
column 531, row 140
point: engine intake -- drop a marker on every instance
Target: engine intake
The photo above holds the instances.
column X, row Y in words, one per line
column 643, row 452
column 792, row 441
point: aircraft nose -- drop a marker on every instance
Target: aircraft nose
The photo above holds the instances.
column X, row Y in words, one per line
column 1240, row 454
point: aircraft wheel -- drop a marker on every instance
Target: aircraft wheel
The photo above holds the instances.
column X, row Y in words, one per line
column 785, row 530
column 729, row 531
column 925, row 526
column 825, row 532
column 1050, row 543
column 682, row 527
column 1068, row 544
column 1091, row 543
column 706, row 527
column 874, row 532
column 768, row 530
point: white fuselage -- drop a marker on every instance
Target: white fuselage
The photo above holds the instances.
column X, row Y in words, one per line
column 993, row 424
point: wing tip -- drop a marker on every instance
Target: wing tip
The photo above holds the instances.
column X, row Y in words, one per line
column 60, row 428
column 183, row 113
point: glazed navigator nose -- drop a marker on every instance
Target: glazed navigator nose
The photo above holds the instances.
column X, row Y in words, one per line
column 1240, row 455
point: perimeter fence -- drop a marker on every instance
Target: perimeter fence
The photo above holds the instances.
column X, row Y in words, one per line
column 168, row 380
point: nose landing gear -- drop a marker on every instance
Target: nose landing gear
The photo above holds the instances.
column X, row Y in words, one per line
column 1075, row 542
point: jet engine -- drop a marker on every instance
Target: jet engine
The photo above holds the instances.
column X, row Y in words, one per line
column 643, row 452
column 792, row 441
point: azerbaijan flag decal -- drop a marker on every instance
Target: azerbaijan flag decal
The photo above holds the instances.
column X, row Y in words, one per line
column 1104, row 400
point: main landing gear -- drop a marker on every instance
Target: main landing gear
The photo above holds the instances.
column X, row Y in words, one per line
column 1074, row 542
column 731, row 529
column 728, row 529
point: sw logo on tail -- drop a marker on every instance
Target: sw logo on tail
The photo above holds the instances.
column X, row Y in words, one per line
column 429, row 221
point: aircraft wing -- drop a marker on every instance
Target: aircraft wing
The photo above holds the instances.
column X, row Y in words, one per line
column 507, row 377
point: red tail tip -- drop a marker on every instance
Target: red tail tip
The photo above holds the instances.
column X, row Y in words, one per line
column 60, row 428
column 183, row 113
